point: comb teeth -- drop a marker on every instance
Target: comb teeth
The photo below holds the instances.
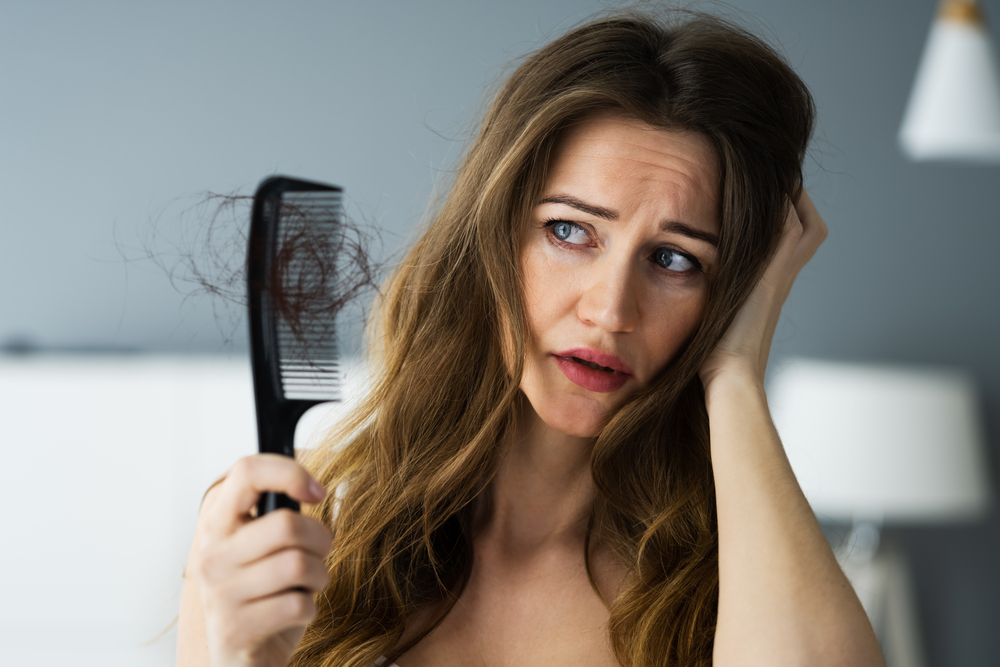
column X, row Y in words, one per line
column 308, row 240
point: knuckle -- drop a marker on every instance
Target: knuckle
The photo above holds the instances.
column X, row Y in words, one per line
column 287, row 528
column 207, row 566
column 211, row 496
column 299, row 607
column 296, row 565
column 242, row 469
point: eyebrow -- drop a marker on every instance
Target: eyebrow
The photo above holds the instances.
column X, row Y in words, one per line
column 690, row 232
column 612, row 215
column 596, row 211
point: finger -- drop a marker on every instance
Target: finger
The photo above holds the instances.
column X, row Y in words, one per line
column 279, row 572
column 278, row 530
column 251, row 476
column 264, row 619
column 803, row 233
column 257, row 540
column 808, row 213
column 814, row 229
column 776, row 279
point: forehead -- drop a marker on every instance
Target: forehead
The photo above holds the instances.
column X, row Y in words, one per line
column 633, row 166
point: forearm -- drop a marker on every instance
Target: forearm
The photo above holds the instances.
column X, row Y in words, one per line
column 783, row 599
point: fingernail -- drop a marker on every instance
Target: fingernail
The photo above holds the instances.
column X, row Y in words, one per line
column 317, row 489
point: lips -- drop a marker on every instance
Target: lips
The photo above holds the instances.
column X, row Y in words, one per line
column 592, row 369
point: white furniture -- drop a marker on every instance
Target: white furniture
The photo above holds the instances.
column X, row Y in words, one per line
column 874, row 444
column 105, row 462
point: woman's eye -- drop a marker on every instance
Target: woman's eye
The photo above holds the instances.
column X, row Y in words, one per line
column 672, row 260
column 569, row 232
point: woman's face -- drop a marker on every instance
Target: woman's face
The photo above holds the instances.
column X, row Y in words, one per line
column 615, row 261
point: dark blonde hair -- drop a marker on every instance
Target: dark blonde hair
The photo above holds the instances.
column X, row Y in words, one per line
column 412, row 461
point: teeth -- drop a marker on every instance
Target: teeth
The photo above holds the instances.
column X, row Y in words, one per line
column 591, row 364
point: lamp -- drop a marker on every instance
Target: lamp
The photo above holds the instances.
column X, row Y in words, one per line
column 872, row 444
column 954, row 107
column 881, row 442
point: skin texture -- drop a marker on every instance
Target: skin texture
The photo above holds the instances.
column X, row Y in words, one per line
column 601, row 288
column 249, row 584
column 783, row 599
column 529, row 601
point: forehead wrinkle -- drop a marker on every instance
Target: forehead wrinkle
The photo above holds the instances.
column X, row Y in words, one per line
column 646, row 171
column 681, row 205
column 679, row 179
column 677, row 188
column 692, row 173
column 600, row 155
column 696, row 172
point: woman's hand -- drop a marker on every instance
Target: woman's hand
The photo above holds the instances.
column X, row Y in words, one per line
column 745, row 346
column 257, row 577
column 783, row 599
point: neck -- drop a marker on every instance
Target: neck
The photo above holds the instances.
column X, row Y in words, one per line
column 541, row 495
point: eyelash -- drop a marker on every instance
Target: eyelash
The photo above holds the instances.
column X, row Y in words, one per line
column 551, row 222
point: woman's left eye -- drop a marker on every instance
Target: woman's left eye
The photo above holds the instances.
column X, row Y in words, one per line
column 672, row 260
column 569, row 232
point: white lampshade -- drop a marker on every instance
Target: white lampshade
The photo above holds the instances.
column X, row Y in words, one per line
column 886, row 443
column 954, row 107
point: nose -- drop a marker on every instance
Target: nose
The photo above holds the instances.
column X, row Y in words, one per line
column 610, row 300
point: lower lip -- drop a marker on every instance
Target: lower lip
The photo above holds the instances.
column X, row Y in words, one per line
column 590, row 378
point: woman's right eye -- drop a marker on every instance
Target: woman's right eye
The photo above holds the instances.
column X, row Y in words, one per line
column 568, row 232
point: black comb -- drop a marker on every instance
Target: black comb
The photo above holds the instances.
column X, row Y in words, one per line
column 291, row 268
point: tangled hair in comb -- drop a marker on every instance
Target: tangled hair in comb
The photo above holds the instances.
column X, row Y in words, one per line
column 320, row 265
column 210, row 260
column 410, row 465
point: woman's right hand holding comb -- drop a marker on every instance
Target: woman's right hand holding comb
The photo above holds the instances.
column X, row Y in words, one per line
column 249, row 583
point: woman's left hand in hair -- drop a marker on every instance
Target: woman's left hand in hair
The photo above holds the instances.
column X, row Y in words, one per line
column 745, row 346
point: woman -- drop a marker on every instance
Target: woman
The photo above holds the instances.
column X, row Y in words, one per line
column 567, row 457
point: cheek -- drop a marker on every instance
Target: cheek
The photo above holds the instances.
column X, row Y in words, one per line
column 547, row 290
column 671, row 330
column 536, row 301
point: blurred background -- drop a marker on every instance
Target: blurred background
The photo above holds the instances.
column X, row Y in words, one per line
column 125, row 389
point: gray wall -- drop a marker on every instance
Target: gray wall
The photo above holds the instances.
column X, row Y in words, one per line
column 115, row 116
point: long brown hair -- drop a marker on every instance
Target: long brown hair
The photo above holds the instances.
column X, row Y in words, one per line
column 412, row 460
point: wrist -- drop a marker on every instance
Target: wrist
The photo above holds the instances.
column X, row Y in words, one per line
column 732, row 382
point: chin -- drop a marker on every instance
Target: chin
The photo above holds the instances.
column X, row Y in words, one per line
column 584, row 421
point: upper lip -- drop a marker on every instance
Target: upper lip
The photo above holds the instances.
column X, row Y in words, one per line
column 597, row 357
